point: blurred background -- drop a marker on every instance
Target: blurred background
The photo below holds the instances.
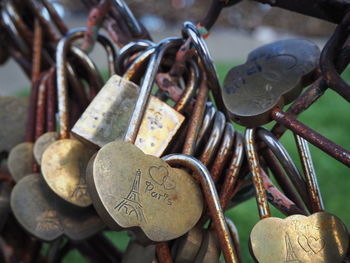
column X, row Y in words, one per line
column 239, row 30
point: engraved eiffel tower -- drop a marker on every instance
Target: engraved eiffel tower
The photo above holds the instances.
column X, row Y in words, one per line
column 290, row 256
column 131, row 203
column 48, row 221
column 80, row 190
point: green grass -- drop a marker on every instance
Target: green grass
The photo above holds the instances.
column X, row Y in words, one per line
column 330, row 117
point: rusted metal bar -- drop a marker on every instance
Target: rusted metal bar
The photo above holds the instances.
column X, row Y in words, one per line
column 309, row 174
column 51, row 102
column 279, row 200
column 327, row 59
column 232, row 172
column 282, row 179
column 58, row 21
column 329, row 147
column 330, row 10
column 43, row 22
column 40, row 108
column 214, row 11
column 37, row 52
column 163, row 253
column 94, row 22
column 223, row 153
column 313, row 93
column 36, row 67
column 196, row 118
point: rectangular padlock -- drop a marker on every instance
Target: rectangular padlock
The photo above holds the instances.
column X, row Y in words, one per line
column 107, row 117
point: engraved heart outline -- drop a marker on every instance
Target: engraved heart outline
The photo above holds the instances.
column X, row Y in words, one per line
column 160, row 175
column 317, row 245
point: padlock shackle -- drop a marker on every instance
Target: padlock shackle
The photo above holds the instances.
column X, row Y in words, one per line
column 146, row 86
column 254, row 166
column 309, row 174
column 14, row 34
column 133, row 70
column 288, row 165
column 191, row 87
column 63, row 46
column 132, row 22
column 207, row 120
column 232, row 173
column 128, row 50
column 223, row 153
column 213, row 143
column 235, row 237
column 202, row 174
column 190, row 30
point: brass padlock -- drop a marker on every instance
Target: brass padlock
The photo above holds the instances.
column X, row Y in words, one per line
column 107, row 117
column 320, row 237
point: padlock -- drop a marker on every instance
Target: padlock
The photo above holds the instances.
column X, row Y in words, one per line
column 320, row 237
column 104, row 122
column 128, row 189
column 271, row 77
column 46, row 216
column 64, row 161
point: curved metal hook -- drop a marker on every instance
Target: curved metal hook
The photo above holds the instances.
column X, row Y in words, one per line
column 203, row 176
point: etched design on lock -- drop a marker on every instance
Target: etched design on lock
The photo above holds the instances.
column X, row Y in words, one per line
column 272, row 76
column 48, row 220
column 143, row 191
column 160, row 175
column 290, row 254
column 160, row 121
column 131, row 204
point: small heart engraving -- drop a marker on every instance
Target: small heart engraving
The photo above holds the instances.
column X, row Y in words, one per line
column 315, row 244
column 158, row 174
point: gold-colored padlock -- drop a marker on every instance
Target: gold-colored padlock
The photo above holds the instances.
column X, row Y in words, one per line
column 107, row 117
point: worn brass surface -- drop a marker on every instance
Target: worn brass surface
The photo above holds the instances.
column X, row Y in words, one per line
column 107, row 117
column 13, row 116
column 320, row 238
column 187, row 247
column 133, row 190
column 137, row 253
column 272, row 76
column 63, row 167
column 46, row 216
column 159, row 125
column 42, row 143
column 20, row 160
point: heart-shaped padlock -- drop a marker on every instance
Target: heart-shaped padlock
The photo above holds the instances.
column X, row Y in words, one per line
column 131, row 189
column 54, row 217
